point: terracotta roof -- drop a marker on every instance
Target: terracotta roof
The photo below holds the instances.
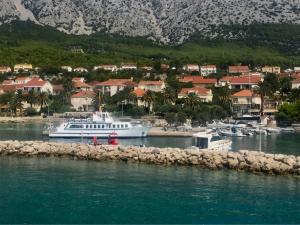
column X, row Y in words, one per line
column 243, row 93
column 139, row 92
column 22, row 78
column 117, row 82
column 209, row 66
column 238, row 69
column 8, row 88
column 241, row 79
column 35, row 83
column 7, row 82
column 196, row 90
column 80, row 84
column 84, row 94
column 58, row 87
column 156, row 83
column 198, row 80
column 2, row 68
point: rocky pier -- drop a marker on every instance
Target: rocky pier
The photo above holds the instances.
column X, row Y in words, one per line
column 244, row 160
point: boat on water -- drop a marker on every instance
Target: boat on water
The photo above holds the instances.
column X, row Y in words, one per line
column 233, row 132
column 212, row 141
column 100, row 125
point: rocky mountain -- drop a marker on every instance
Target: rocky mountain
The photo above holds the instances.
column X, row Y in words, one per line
column 162, row 20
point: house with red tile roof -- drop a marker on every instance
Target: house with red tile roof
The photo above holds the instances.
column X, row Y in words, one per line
column 240, row 82
column 199, row 81
column 58, row 89
column 191, row 68
column 139, row 93
column 22, row 80
column 245, row 102
column 83, row 101
column 203, row 93
column 5, row 69
column 113, row 86
column 155, row 86
column 207, row 70
column 79, row 85
column 238, row 69
column 38, row 85
column 8, row 82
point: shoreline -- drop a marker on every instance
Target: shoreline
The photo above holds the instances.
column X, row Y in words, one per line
column 244, row 160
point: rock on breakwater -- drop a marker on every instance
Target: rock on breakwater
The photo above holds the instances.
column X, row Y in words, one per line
column 250, row 161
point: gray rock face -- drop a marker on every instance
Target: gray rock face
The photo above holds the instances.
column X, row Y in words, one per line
column 163, row 20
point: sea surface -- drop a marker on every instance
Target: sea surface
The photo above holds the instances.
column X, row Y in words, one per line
column 62, row 191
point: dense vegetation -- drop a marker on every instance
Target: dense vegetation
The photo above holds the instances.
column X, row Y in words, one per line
column 44, row 46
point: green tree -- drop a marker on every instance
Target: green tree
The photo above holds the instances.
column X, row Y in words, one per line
column 149, row 99
column 192, row 101
column 31, row 98
column 43, row 98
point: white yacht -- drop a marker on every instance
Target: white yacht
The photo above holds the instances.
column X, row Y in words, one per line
column 101, row 125
column 212, row 141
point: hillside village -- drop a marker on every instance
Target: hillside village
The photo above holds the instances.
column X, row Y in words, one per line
column 201, row 92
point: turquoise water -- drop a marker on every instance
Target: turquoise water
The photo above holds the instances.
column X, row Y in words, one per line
column 64, row 191
column 284, row 143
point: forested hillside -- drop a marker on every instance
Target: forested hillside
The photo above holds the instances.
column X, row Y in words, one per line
column 44, row 46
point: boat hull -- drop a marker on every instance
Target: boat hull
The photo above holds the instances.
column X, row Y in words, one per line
column 133, row 132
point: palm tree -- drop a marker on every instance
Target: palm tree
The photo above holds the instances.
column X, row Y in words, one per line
column 149, row 98
column 169, row 95
column 262, row 90
column 19, row 101
column 192, row 101
column 221, row 96
column 31, row 98
column 42, row 99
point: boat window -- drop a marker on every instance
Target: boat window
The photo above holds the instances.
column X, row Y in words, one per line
column 108, row 126
column 99, row 127
column 95, row 126
column 103, row 126
column 114, row 126
column 202, row 143
column 122, row 126
column 126, row 125
column 118, row 126
column 91, row 126
column 76, row 126
column 87, row 126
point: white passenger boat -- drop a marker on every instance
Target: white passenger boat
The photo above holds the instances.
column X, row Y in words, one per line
column 101, row 125
column 212, row 141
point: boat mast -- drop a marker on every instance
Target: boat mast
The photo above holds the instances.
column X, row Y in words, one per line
column 99, row 97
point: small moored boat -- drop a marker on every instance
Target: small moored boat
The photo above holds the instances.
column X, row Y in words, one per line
column 212, row 141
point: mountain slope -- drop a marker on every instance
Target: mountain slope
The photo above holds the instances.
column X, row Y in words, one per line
column 45, row 46
column 164, row 20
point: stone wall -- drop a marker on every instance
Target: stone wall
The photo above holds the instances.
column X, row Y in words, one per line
column 250, row 161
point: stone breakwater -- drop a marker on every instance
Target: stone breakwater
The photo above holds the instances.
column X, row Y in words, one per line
column 250, row 161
